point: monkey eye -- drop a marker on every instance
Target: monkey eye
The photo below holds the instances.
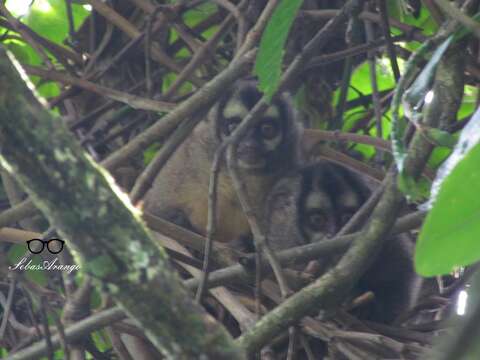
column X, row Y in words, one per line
column 317, row 220
column 231, row 125
column 268, row 129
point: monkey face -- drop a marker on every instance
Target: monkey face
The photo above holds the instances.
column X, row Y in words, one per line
column 261, row 142
column 312, row 203
column 266, row 143
column 329, row 198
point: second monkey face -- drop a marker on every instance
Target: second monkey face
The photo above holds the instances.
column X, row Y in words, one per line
column 312, row 204
column 330, row 195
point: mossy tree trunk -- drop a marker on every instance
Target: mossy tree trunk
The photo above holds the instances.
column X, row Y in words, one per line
column 107, row 238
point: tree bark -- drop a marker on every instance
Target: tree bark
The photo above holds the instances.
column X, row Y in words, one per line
column 100, row 226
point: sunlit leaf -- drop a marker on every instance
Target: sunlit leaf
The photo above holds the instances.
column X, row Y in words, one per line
column 268, row 65
column 397, row 9
column 199, row 13
column 24, row 53
column 361, row 80
column 101, row 341
column 49, row 18
column 439, row 155
column 449, row 236
column 415, row 95
column 48, row 89
column 424, row 21
column 466, row 109
column 399, row 147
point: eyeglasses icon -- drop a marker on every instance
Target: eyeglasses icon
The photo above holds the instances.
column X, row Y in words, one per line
column 54, row 246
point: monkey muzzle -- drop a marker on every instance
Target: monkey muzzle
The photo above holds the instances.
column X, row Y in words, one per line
column 251, row 156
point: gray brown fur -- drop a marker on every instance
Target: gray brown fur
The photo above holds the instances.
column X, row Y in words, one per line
column 337, row 191
column 180, row 190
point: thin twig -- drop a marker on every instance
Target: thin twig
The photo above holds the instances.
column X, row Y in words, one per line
column 351, row 51
column 454, row 13
column 8, row 306
column 72, row 333
column 71, row 22
column 204, row 97
column 315, row 136
column 137, row 102
column 362, row 214
column 251, row 214
column 374, row 84
column 20, row 211
column 148, row 46
column 199, row 57
column 211, row 225
column 128, row 28
column 145, row 179
column 46, row 329
column 385, row 24
column 253, row 36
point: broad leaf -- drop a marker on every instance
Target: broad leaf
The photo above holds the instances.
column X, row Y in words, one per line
column 268, row 65
column 449, row 236
column 415, row 95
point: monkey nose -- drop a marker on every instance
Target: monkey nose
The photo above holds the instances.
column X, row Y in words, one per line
column 248, row 148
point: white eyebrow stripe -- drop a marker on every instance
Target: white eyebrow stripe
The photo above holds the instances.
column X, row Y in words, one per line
column 272, row 112
column 234, row 109
column 318, row 200
column 349, row 199
column 237, row 109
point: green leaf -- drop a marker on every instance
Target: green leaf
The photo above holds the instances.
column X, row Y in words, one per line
column 24, row 53
column 439, row 155
column 397, row 9
column 449, row 237
column 425, row 22
column 440, row 137
column 101, row 341
column 360, row 80
column 415, row 191
column 413, row 99
column 415, row 95
column 199, row 13
column 270, row 54
column 48, row 89
column 49, row 18
column 399, row 149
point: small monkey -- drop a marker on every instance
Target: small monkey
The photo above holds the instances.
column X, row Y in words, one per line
column 268, row 151
column 314, row 203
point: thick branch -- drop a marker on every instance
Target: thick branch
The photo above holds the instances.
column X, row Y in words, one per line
column 110, row 246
